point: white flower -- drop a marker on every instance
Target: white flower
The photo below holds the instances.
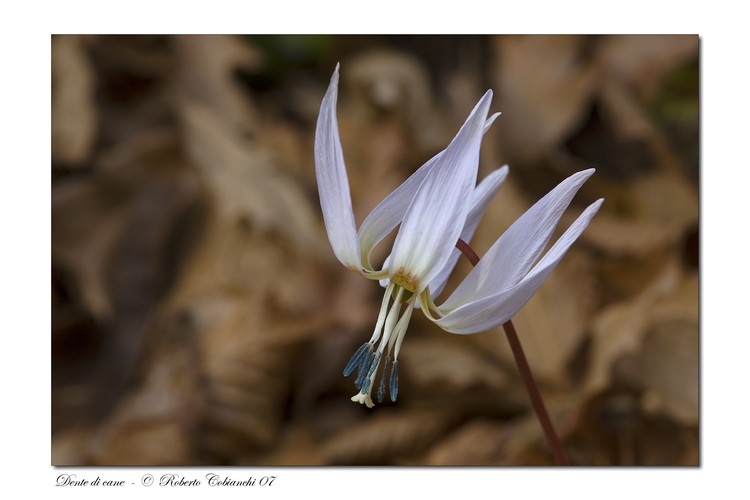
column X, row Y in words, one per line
column 437, row 205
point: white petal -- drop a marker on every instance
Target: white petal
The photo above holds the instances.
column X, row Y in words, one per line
column 390, row 212
column 435, row 218
column 333, row 184
column 489, row 312
column 513, row 254
column 480, row 198
column 490, row 121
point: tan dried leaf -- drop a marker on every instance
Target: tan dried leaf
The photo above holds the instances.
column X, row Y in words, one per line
column 451, row 363
column 619, row 329
column 150, row 426
column 554, row 322
column 668, row 365
column 543, row 100
column 649, row 193
column 620, row 237
column 397, row 82
column 518, row 441
column 652, row 343
column 386, row 437
column 206, row 73
column 644, row 60
column 74, row 113
column 86, row 226
column 72, row 447
column 297, row 446
column 247, row 364
column 245, row 185
column 476, row 443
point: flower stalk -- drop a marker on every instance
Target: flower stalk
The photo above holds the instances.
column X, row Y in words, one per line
column 537, row 403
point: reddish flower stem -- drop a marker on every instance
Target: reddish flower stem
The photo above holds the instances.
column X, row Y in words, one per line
column 524, row 369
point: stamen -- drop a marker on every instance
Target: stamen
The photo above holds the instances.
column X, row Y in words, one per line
column 383, row 313
column 381, row 387
column 403, row 324
column 366, row 359
column 393, row 385
column 390, row 321
column 356, row 359
column 364, row 368
column 428, row 305
column 368, row 379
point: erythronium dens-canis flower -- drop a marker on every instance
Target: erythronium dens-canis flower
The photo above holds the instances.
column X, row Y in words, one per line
column 438, row 204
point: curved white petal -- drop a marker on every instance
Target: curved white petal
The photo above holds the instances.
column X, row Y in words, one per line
column 435, row 218
column 480, row 198
column 489, row 312
column 384, row 282
column 333, row 184
column 490, row 121
column 513, row 254
column 390, row 212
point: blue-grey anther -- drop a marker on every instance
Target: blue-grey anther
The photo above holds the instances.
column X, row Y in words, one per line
column 356, row 359
column 381, row 386
column 393, row 385
column 364, row 367
column 368, row 378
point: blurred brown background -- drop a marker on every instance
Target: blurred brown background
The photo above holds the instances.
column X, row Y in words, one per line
column 199, row 316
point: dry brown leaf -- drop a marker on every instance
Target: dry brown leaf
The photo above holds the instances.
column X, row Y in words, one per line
column 386, row 437
column 542, row 84
column 72, row 447
column 648, row 200
column 142, row 180
column 398, row 83
column 245, row 186
column 640, row 238
column 151, row 424
column 644, row 144
column 643, row 61
column 476, row 443
column 86, row 226
column 651, row 344
column 613, row 429
column 552, row 325
column 206, row 74
column 554, row 322
column 667, row 367
column 233, row 261
column 452, row 364
column 247, row 374
column 662, row 441
column 506, row 442
column 619, row 329
column 75, row 116
column 247, row 364
column 296, row 446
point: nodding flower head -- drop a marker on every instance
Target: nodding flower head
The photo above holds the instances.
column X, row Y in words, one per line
column 436, row 206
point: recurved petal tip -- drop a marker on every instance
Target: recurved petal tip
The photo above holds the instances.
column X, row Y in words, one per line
column 490, row 121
